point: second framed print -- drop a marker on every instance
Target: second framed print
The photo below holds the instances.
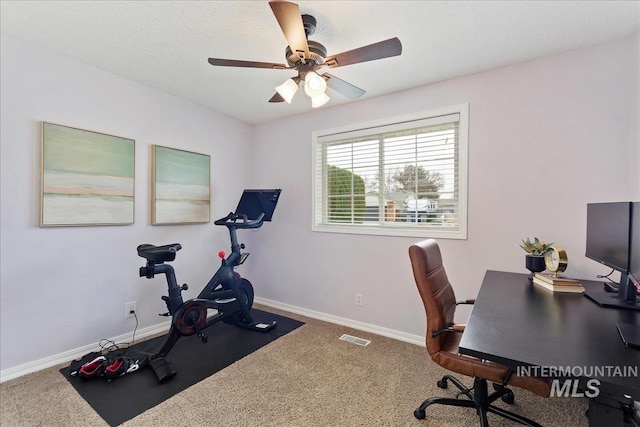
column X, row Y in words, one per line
column 181, row 187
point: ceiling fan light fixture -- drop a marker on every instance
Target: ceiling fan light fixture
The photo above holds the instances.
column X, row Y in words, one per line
column 320, row 100
column 287, row 90
column 306, row 56
column 314, row 85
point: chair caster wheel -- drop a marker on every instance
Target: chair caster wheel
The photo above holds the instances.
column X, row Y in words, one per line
column 508, row 398
column 419, row 414
column 442, row 383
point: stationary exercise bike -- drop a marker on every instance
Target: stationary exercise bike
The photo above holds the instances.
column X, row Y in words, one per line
column 230, row 295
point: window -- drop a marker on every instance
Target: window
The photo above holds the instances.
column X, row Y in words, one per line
column 404, row 177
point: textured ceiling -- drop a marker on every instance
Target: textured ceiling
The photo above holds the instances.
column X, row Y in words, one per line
column 165, row 44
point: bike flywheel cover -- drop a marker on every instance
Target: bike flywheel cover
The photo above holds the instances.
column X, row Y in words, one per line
column 186, row 315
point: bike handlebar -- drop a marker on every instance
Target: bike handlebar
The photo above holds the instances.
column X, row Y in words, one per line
column 231, row 221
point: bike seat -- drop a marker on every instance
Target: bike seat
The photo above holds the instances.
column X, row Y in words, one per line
column 157, row 254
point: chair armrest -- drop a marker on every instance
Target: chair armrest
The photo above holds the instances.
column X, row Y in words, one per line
column 458, row 327
column 467, row 301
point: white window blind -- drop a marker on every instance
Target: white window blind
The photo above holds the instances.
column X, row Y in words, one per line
column 403, row 177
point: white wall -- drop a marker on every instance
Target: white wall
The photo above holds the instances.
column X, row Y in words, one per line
column 545, row 138
column 64, row 288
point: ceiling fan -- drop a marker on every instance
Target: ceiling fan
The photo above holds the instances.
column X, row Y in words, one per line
column 307, row 57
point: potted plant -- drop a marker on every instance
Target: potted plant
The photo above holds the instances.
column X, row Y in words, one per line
column 535, row 250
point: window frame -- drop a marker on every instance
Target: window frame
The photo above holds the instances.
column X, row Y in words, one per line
column 400, row 229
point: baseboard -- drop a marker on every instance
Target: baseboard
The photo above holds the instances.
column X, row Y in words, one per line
column 361, row 326
column 68, row 356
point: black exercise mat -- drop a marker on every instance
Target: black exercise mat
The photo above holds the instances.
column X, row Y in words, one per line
column 128, row 396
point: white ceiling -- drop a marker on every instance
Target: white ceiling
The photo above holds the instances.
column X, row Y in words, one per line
column 165, row 44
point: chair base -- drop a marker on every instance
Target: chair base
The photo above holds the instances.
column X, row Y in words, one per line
column 479, row 399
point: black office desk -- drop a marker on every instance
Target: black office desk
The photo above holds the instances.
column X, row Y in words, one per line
column 516, row 323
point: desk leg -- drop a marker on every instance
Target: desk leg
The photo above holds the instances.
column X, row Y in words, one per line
column 605, row 412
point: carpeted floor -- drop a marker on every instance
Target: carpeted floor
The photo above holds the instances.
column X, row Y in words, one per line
column 305, row 378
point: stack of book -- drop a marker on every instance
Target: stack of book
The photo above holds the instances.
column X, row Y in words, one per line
column 558, row 284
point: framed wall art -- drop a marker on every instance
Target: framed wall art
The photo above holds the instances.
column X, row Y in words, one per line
column 181, row 189
column 87, row 178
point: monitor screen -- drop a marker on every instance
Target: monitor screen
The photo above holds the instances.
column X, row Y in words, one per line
column 254, row 202
column 608, row 234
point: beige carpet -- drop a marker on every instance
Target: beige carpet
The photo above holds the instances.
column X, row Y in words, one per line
column 306, row 378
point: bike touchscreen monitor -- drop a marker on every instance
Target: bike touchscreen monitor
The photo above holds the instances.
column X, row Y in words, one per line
column 254, row 202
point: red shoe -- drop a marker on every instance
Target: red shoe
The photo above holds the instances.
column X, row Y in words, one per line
column 94, row 368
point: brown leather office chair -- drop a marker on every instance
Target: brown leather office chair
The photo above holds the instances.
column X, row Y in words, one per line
column 443, row 337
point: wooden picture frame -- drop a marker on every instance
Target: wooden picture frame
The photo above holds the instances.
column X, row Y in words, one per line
column 181, row 186
column 86, row 177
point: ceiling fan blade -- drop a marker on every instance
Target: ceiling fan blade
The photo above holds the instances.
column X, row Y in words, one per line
column 249, row 64
column 290, row 20
column 343, row 87
column 276, row 98
column 383, row 49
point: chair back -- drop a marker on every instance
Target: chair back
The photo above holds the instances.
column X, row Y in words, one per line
column 435, row 290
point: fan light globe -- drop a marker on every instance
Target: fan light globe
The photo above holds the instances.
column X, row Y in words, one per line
column 314, row 85
column 319, row 101
column 287, row 90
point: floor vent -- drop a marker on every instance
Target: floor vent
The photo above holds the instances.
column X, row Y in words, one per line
column 355, row 340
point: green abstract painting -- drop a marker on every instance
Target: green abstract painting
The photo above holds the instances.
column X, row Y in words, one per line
column 87, row 178
column 181, row 186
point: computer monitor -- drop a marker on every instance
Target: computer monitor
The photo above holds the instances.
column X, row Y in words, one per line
column 254, row 202
column 608, row 234
column 609, row 243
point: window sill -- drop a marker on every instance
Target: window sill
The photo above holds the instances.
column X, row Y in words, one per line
column 393, row 230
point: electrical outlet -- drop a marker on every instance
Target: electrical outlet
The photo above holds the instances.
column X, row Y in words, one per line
column 359, row 299
column 130, row 308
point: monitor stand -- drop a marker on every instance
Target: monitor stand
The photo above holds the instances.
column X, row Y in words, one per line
column 611, row 299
